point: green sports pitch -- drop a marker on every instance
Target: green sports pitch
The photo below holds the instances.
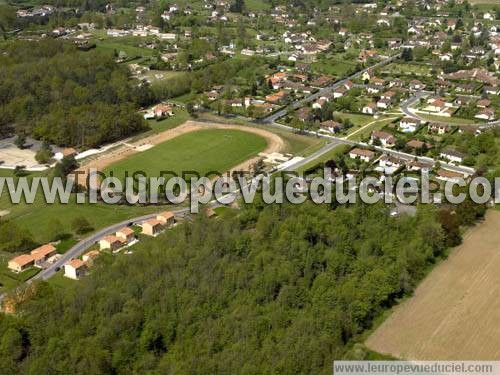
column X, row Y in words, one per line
column 201, row 151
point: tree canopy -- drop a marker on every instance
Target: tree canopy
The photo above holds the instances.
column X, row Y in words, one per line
column 280, row 289
column 52, row 91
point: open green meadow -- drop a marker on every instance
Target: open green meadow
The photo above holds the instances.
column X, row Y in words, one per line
column 334, row 67
column 180, row 117
column 201, row 151
column 407, row 69
column 38, row 217
column 294, row 143
column 358, row 133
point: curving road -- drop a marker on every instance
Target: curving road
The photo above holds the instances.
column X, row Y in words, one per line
column 407, row 104
column 300, row 103
column 84, row 244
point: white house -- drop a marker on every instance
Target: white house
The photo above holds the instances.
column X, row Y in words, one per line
column 452, row 155
column 486, row 114
column 369, row 109
column 364, row 155
column 386, row 139
column 75, row 269
column 409, row 124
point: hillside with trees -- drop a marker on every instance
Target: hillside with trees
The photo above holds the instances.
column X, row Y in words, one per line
column 49, row 90
column 280, row 289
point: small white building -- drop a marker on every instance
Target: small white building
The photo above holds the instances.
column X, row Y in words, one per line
column 75, row 269
column 364, row 155
column 452, row 155
column 409, row 124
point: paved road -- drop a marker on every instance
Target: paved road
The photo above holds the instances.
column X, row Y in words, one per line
column 300, row 103
column 337, row 141
column 406, row 105
column 82, row 246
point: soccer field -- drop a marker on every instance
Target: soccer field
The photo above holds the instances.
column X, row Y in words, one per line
column 200, row 151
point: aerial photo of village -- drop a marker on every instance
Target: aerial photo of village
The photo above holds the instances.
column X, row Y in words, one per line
column 253, row 90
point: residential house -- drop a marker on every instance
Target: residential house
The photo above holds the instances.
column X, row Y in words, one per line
column 415, row 144
column 370, row 108
column 377, row 82
column 163, row 110
column 384, row 103
column 396, row 82
column 42, row 253
column 438, row 128
column 277, row 98
column 416, row 85
column 409, row 124
column 368, row 75
column 465, row 88
column 90, row 256
column 65, row 153
column 364, row 155
column 340, row 91
column 388, row 95
column 75, row 269
column 486, row 114
column 373, row 89
column 152, row 227
column 452, row 155
column 447, row 175
column 126, row 234
column 417, row 165
column 483, row 103
column 386, row 139
column 166, row 218
column 304, row 114
column 21, row 263
column 491, row 90
column 331, row 126
column 318, row 104
column 390, row 161
column 112, row 243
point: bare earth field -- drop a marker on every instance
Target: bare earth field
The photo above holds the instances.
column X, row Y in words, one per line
column 100, row 162
column 455, row 312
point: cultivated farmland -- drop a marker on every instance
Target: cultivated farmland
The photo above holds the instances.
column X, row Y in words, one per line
column 454, row 313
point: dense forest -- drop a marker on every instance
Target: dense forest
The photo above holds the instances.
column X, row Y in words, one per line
column 275, row 289
column 52, row 91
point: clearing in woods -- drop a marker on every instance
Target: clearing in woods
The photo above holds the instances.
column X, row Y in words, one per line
column 455, row 312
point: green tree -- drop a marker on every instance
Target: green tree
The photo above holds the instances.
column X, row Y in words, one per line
column 81, row 225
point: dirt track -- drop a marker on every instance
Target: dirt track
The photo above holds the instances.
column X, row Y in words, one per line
column 274, row 144
column 455, row 312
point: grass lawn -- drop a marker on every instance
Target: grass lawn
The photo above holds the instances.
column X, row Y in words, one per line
column 399, row 68
column 297, row 144
column 124, row 44
column 450, row 120
column 65, row 245
column 180, row 117
column 357, row 120
column 376, row 125
column 201, row 151
column 257, row 5
column 160, row 75
column 332, row 67
column 302, row 145
column 337, row 151
column 10, row 280
column 59, row 281
column 37, row 218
